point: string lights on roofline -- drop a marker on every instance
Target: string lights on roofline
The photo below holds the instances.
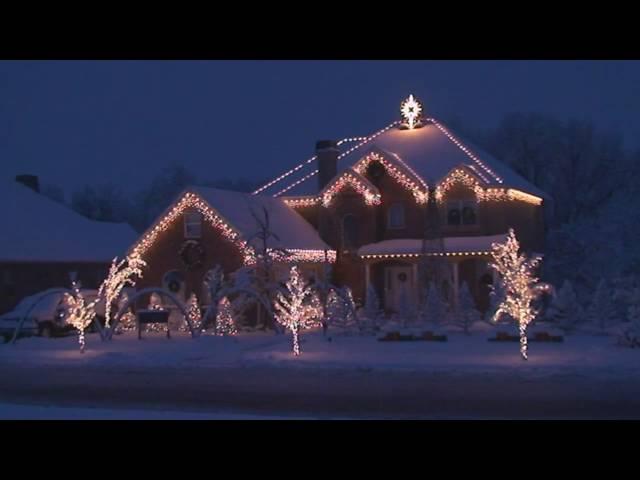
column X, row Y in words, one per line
column 192, row 200
column 301, row 165
column 362, row 186
column 428, row 254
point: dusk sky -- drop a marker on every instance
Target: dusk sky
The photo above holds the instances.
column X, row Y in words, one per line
column 78, row 122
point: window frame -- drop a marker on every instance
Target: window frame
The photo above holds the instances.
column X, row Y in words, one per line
column 190, row 224
column 459, row 205
column 398, row 206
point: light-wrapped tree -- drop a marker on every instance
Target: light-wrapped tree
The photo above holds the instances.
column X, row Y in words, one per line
column 80, row 313
column 520, row 285
column 289, row 307
column 127, row 320
column 341, row 312
column 214, row 283
column 120, row 275
column 195, row 315
column 225, row 323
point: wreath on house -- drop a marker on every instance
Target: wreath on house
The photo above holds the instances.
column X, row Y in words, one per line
column 192, row 254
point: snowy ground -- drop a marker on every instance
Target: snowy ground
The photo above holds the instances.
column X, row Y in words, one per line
column 465, row 377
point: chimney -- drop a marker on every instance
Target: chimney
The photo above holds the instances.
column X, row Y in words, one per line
column 30, row 181
column 327, row 153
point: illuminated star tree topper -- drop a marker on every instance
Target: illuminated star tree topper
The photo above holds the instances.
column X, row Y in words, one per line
column 411, row 110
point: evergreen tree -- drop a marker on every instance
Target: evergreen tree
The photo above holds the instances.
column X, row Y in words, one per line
column 225, row 322
column 434, row 308
column 467, row 313
column 601, row 312
column 564, row 309
column 372, row 310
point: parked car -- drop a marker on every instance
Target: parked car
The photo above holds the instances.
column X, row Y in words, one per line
column 48, row 318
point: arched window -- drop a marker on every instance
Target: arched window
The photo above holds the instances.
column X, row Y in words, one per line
column 349, row 231
column 396, row 216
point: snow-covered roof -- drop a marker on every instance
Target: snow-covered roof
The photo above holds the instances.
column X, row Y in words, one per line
column 432, row 151
column 37, row 229
column 451, row 245
column 292, row 230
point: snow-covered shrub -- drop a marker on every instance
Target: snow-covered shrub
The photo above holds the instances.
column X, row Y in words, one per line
column 601, row 312
column 372, row 315
column 434, row 307
column 467, row 313
column 565, row 311
column 630, row 331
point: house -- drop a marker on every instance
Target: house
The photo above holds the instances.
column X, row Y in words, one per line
column 410, row 205
column 43, row 241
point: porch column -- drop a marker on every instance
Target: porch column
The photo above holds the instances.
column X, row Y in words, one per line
column 414, row 275
column 367, row 273
column 456, row 288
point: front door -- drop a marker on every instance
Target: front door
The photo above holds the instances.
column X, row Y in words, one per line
column 398, row 287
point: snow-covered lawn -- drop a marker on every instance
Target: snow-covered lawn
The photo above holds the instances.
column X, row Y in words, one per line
column 579, row 353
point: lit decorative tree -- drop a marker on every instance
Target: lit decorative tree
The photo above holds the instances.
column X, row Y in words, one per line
column 120, row 275
column 520, row 284
column 289, row 307
column 467, row 313
column 214, row 283
column 225, row 323
column 313, row 309
column 341, row 312
column 193, row 310
column 80, row 313
column 127, row 319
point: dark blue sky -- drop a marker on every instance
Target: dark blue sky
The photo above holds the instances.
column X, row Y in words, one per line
column 74, row 122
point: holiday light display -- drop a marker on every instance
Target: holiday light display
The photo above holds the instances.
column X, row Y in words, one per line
column 80, row 313
column 120, row 275
column 420, row 192
column 313, row 310
column 290, row 307
column 428, row 254
column 225, row 323
column 357, row 182
column 155, row 302
column 342, row 155
column 307, row 201
column 459, row 176
column 194, row 313
column 127, row 321
column 191, row 200
column 411, row 110
column 521, row 287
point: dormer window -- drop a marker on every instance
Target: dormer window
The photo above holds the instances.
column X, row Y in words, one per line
column 192, row 225
column 395, row 216
column 461, row 212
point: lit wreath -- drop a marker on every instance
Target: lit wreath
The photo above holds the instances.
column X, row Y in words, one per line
column 192, row 254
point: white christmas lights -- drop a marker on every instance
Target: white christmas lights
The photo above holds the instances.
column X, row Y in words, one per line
column 357, row 182
column 225, row 323
column 411, row 110
column 120, row 275
column 80, row 313
column 420, row 194
column 290, row 308
column 521, row 287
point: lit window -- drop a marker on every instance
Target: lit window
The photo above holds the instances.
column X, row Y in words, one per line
column 192, row 225
column 461, row 212
column 396, row 216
